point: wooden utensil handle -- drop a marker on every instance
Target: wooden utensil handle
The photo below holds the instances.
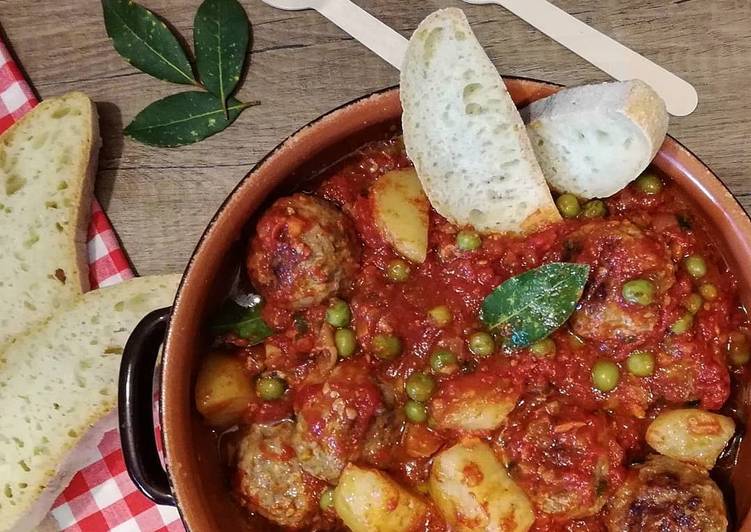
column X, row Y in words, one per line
column 364, row 27
column 605, row 53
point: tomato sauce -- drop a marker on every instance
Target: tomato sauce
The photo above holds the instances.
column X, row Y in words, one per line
column 596, row 434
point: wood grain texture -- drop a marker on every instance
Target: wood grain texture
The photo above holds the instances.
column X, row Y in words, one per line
column 160, row 200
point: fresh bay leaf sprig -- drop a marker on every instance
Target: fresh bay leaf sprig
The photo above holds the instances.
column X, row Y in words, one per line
column 221, row 38
column 531, row 305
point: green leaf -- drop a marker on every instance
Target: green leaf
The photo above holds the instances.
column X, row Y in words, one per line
column 221, row 33
column 146, row 42
column 245, row 322
column 530, row 306
column 183, row 118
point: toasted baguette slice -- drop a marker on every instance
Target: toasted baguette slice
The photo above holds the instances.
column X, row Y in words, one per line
column 59, row 381
column 593, row 140
column 464, row 134
column 47, row 164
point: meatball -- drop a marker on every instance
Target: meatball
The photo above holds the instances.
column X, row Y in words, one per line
column 382, row 438
column 619, row 252
column 564, row 457
column 689, row 369
column 666, row 495
column 304, row 251
column 332, row 420
column 269, row 478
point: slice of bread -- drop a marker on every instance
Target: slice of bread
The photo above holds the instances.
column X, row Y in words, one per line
column 593, row 140
column 47, row 164
column 58, row 382
column 464, row 134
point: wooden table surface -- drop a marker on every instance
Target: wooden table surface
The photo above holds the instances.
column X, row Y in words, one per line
column 159, row 200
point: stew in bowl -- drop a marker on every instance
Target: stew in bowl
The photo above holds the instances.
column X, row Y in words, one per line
column 362, row 370
column 317, row 378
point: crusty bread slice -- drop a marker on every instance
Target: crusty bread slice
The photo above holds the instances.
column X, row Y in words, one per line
column 464, row 134
column 593, row 140
column 60, row 380
column 47, row 164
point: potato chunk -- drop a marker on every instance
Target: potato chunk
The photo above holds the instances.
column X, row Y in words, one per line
column 223, row 390
column 368, row 500
column 473, row 491
column 475, row 403
column 690, row 435
column 401, row 213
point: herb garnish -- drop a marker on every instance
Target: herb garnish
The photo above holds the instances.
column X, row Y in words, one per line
column 221, row 38
column 245, row 322
column 530, row 306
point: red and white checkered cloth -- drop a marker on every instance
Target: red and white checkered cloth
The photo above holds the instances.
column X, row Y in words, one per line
column 101, row 496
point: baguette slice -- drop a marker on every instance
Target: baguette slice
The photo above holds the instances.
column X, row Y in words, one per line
column 464, row 134
column 47, row 164
column 58, row 382
column 593, row 140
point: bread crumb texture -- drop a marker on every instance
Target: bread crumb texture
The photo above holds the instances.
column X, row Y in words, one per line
column 46, row 167
column 464, row 134
column 593, row 140
column 59, row 379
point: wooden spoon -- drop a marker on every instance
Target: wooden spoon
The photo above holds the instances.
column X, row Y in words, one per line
column 364, row 27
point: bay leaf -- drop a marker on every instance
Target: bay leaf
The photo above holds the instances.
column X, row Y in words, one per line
column 221, row 33
column 245, row 322
column 183, row 118
column 529, row 306
column 146, row 42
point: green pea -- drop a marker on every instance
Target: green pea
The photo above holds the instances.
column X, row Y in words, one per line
column 605, row 375
column 682, row 324
column 568, row 205
column 649, row 184
column 543, row 348
column 387, row 346
column 641, row 363
column 443, row 361
column 639, row 291
column 346, row 343
column 338, row 313
column 419, row 387
column 416, row 412
column 693, row 303
column 468, row 240
column 481, row 344
column 440, row 316
column 398, row 270
column 594, row 209
column 326, row 501
column 709, row 291
column 270, row 388
column 695, row 266
column 739, row 351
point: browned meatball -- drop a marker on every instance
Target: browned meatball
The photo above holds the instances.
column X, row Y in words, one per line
column 618, row 252
column 664, row 495
column 564, row 457
column 270, row 480
column 382, row 438
column 304, row 251
column 333, row 418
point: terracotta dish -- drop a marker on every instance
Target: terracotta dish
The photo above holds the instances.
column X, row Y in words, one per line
column 194, row 479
